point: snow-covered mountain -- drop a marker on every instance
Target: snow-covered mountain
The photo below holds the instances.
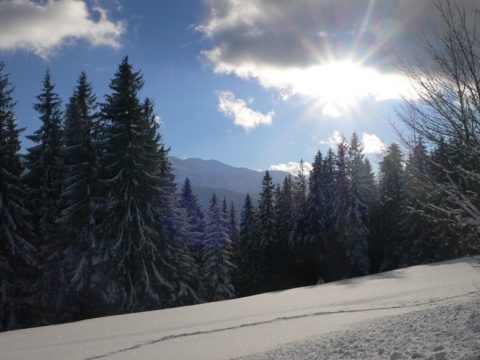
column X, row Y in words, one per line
column 208, row 176
column 422, row 312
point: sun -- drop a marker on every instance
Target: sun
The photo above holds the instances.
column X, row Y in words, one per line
column 338, row 85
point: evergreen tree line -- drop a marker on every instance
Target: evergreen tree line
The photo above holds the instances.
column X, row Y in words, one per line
column 341, row 221
column 92, row 224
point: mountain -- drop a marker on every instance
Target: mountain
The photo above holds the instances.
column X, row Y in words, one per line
column 233, row 183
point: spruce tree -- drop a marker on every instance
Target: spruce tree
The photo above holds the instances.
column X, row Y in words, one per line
column 196, row 217
column 388, row 233
column 134, row 178
column 358, row 213
column 232, row 222
column 80, row 199
column 267, row 239
column 187, row 274
column 329, row 259
column 429, row 237
column 44, row 178
column 217, row 257
column 248, row 251
column 315, row 218
column 17, row 254
column 299, row 240
column 286, row 259
column 340, row 206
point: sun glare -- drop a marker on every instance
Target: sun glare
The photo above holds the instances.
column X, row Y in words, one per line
column 342, row 84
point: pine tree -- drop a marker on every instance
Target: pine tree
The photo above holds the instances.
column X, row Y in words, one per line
column 80, row 199
column 232, row 222
column 339, row 208
column 17, row 254
column 217, row 258
column 315, row 218
column 358, row 213
column 196, row 218
column 134, row 179
column 44, row 177
column 284, row 211
column 187, row 274
column 448, row 239
column 248, row 251
column 286, row 259
column 266, row 218
column 428, row 237
column 388, row 233
column 299, row 238
column 331, row 266
column 267, row 239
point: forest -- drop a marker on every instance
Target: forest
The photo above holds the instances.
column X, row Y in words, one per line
column 92, row 223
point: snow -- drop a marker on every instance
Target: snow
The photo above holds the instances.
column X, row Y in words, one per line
column 425, row 312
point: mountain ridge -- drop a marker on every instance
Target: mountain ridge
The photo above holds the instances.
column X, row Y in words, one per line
column 212, row 176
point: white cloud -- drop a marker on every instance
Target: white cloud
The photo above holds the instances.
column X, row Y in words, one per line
column 238, row 110
column 372, row 144
column 43, row 27
column 292, row 167
column 306, row 48
column 333, row 140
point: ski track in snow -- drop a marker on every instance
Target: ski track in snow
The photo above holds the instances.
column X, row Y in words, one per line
column 439, row 333
column 429, row 312
column 354, row 344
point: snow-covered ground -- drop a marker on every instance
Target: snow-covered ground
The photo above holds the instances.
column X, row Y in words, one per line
column 422, row 312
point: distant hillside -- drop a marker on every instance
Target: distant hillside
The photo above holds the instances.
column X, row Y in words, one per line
column 208, row 176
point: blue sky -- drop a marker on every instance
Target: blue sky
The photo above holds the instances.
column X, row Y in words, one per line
column 252, row 83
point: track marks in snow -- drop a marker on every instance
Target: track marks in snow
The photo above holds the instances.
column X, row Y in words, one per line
column 439, row 333
column 288, row 318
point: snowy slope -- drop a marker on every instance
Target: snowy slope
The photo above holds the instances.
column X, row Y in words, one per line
column 429, row 311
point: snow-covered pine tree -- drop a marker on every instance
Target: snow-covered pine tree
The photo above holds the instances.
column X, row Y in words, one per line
column 315, row 216
column 79, row 202
column 316, row 212
column 299, row 241
column 44, row 178
column 266, row 229
column 266, row 216
column 448, row 239
column 340, row 204
column 388, row 234
column 232, row 222
column 285, row 264
column 329, row 170
column 134, row 179
column 17, row 254
column 427, row 236
column 217, row 256
column 225, row 216
column 196, row 218
column 358, row 213
column 248, row 251
column 339, row 210
column 179, row 232
column 283, row 211
column 330, row 265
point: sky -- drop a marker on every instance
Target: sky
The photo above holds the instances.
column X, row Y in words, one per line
column 260, row 84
